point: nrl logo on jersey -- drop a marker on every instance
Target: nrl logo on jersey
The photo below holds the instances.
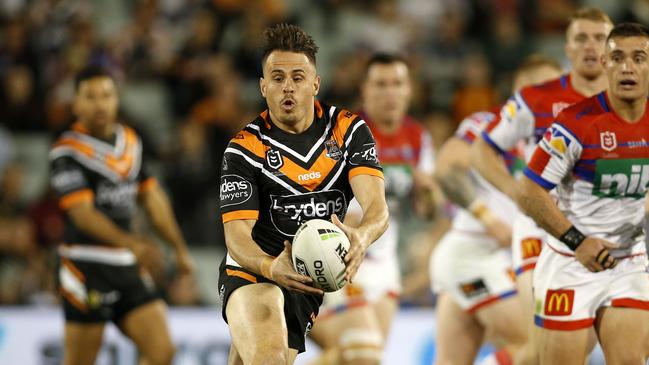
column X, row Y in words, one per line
column 608, row 141
column 274, row 159
column 333, row 150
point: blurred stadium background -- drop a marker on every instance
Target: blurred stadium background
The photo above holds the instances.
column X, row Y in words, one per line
column 188, row 73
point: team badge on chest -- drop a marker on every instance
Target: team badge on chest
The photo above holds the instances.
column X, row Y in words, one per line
column 274, row 159
column 608, row 140
column 333, row 151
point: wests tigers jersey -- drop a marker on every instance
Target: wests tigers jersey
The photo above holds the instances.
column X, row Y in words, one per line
column 599, row 165
column 282, row 179
column 88, row 169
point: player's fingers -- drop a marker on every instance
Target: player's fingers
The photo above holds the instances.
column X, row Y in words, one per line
column 597, row 266
column 339, row 224
column 300, row 278
column 297, row 286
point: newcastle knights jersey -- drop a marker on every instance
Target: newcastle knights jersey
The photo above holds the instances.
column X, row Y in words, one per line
column 599, row 165
column 282, row 180
column 108, row 174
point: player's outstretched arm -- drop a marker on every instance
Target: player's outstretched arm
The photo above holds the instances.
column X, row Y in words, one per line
column 157, row 205
column 537, row 203
column 96, row 224
column 242, row 248
column 453, row 163
column 488, row 162
column 369, row 190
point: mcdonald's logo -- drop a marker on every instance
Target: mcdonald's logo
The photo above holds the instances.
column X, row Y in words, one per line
column 531, row 247
column 559, row 302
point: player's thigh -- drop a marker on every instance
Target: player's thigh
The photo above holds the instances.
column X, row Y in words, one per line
column 82, row 342
column 459, row 335
column 624, row 335
column 504, row 318
column 147, row 326
column 254, row 311
column 385, row 308
column 336, row 328
column 526, row 296
column 563, row 347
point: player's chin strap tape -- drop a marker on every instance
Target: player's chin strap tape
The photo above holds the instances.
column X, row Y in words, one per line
column 361, row 344
column 572, row 238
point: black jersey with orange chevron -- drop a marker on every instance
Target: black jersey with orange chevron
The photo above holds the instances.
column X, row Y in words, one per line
column 85, row 168
column 283, row 179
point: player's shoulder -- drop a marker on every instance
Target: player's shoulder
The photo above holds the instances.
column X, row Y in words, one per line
column 537, row 95
column 578, row 117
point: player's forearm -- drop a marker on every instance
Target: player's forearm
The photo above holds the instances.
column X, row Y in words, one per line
column 162, row 218
column 537, row 203
column 456, row 186
column 243, row 249
column 95, row 224
column 375, row 220
column 491, row 167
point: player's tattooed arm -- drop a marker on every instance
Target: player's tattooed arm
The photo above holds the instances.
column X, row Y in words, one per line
column 488, row 162
column 537, row 203
column 451, row 172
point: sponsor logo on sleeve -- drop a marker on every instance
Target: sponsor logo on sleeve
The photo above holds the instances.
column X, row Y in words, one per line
column 555, row 142
column 68, row 180
column 510, row 110
column 367, row 155
column 559, row 302
column 234, row 190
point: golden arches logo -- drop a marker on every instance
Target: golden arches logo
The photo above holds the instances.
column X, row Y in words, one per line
column 559, row 302
column 531, row 247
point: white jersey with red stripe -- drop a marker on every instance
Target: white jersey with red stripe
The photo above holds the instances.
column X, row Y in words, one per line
column 497, row 202
column 599, row 165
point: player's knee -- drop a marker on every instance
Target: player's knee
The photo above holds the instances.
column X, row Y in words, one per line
column 275, row 356
column 627, row 356
column 361, row 347
column 162, row 355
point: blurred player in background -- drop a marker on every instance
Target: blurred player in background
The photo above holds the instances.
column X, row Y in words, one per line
column 471, row 266
column 99, row 175
column 525, row 117
column 591, row 278
column 354, row 323
column 299, row 160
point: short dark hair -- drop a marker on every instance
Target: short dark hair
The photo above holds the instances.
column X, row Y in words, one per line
column 384, row 59
column 289, row 38
column 537, row 60
column 90, row 72
column 626, row 30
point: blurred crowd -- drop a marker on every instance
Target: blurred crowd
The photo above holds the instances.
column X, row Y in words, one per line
column 188, row 72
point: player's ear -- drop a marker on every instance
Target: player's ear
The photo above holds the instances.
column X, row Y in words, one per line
column 262, row 86
column 316, row 85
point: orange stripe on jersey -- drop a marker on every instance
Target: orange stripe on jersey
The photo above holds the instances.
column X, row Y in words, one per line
column 343, row 122
column 77, row 145
column 147, row 185
column 73, row 269
column 250, row 142
column 81, row 196
column 318, row 109
column 74, row 301
column 241, row 274
column 240, row 215
column 365, row 171
column 322, row 166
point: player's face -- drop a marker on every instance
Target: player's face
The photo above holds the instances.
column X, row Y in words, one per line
column 585, row 46
column 96, row 102
column 290, row 84
column 627, row 67
column 534, row 76
column 386, row 91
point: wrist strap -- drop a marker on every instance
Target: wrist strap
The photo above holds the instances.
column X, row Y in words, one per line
column 572, row 238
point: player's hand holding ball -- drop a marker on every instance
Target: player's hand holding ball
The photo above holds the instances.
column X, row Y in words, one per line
column 357, row 249
column 280, row 270
column 593, row 253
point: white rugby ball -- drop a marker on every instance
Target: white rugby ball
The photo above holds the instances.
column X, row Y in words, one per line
column 319, row 249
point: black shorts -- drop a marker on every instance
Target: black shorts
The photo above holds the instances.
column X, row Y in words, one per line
column 300, row 310
column 95, row 292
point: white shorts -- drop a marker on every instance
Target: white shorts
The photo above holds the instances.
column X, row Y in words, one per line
column 567, row 295
column 528, row 240
column 471, row 268
column 377, row 277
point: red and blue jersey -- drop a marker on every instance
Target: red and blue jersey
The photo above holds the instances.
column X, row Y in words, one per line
column 599, row 165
